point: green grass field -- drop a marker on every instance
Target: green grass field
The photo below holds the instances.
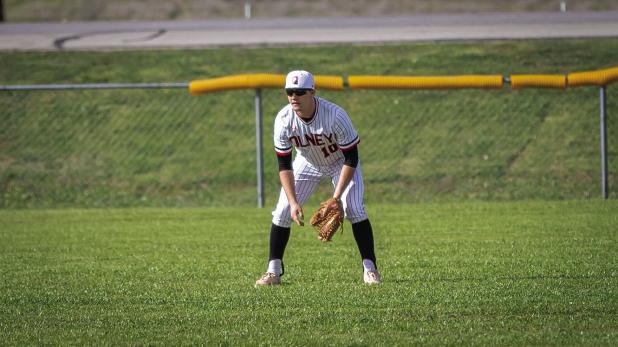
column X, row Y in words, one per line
column 499, row 274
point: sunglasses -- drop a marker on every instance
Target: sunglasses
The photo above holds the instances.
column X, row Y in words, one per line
column 298, row 92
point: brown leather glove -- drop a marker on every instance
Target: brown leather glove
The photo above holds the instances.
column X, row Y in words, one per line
column 328, row 219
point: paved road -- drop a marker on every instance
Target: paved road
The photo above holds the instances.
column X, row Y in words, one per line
column 289, row 31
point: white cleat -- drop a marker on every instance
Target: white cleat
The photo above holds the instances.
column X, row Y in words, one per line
column 268, row 279
column 372, row 277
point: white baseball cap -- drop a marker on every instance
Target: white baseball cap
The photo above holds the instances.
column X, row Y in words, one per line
column 299, row 79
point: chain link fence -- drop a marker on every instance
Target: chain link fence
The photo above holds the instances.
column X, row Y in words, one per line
column 163, row 147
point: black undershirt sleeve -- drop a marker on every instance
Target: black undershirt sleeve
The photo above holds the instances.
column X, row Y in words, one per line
column 351, row 157
column 285, row 162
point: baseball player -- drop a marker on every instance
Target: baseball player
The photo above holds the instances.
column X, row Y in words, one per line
column 326, row 147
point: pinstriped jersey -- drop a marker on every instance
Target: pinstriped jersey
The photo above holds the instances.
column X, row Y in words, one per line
column 321, row 140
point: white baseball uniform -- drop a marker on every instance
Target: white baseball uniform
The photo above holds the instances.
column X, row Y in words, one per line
column 319, row 144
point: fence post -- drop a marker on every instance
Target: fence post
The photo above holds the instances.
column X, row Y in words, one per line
column 259, row 155
column 604, row 180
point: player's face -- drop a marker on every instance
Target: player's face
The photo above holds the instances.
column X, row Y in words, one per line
column 300, row 99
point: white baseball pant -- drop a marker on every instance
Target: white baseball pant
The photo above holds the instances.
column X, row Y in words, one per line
column 307, row 178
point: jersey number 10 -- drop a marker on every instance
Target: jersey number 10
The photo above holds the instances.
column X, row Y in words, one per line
column 329, row 150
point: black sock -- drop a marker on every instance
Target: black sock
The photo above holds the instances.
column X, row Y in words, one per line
column 363, row 234
column 279, row 237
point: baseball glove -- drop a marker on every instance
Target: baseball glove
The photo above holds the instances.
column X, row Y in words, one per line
column 328, row 219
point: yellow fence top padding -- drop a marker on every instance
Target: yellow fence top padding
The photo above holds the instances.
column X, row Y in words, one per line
column 425, row 82
column 256, row 81
column 236, row 82
column 593, row 78
column 538, row 81
column 328, row 82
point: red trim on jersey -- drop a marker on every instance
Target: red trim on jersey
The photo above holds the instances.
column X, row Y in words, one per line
column 283, row 154
column 351, row 147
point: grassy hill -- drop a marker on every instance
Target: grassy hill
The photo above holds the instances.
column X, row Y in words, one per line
column 166, row 148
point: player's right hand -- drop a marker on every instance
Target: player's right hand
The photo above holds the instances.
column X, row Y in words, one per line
column 297, row 215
